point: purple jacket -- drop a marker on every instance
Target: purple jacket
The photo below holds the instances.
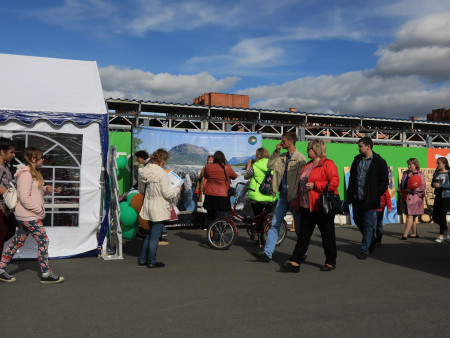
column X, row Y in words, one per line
column 414, row 201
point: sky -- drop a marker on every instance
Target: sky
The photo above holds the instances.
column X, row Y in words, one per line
column 383, row 58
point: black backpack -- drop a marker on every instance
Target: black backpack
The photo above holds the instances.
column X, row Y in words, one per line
column 265, row 187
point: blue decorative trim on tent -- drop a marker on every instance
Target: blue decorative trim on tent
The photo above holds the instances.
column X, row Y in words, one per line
column 58, row 118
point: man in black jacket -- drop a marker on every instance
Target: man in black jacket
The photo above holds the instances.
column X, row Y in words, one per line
column 369, row 179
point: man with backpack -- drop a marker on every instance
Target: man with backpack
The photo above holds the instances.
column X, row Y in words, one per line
column 286, row 168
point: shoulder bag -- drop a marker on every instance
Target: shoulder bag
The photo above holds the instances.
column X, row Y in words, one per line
column 10, row 197
column 329, row 202
column 231, row 190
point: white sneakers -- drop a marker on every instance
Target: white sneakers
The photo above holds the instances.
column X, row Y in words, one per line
column 442, row 238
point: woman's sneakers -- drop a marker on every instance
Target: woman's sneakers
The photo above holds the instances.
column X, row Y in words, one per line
column 50, row 278
column 440, row 239
column 5, row 277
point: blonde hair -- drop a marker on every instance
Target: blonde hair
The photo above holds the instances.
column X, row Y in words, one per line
column 261, row 153
column 414, row 161
column 159, row 156
column 318, row 146
column 30, row 154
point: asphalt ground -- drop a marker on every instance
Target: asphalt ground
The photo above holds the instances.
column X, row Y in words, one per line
column 401, row 290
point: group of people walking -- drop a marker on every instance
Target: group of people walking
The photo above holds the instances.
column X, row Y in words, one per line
column 297, row 186
column 29, row 211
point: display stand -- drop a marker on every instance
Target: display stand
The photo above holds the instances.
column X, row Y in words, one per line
column 112, row 246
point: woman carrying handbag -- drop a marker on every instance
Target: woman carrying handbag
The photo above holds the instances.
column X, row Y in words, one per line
column 318, row 175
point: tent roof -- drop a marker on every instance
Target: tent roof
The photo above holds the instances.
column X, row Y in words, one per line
column 38, row 84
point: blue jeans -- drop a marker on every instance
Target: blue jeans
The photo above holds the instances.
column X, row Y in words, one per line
column 148, row 252
column 365, row 220
column 281, row 209
column 379, row 229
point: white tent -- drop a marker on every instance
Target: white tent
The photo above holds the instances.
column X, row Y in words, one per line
column 58, row 106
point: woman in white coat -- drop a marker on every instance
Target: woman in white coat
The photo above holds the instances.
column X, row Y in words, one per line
column 154, row 184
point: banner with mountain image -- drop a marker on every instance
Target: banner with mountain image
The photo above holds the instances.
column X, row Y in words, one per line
column 189, row 151
column 193, row 147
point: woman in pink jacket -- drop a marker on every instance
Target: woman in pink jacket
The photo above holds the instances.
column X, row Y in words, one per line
column 412, row 199
column 29, row 213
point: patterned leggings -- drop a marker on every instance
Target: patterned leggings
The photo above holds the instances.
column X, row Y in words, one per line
column 37, row 230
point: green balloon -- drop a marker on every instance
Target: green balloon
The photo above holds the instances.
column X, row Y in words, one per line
column 131, row 194
column 129, row 233
column 124, row 204
column 119, row 174
column 128, row 217
column 121, row 162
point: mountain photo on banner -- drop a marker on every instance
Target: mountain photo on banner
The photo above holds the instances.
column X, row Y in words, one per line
column 193, row 147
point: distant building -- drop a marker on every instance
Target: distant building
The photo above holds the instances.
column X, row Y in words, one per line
column 440, row 114
column 223, row 100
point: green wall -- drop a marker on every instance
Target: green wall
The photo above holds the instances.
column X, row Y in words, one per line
column 342, row 154
column 122, row 140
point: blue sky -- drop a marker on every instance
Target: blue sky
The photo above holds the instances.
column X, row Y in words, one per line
column 372, row 57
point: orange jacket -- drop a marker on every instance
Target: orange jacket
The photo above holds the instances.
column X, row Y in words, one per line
column 217, row 184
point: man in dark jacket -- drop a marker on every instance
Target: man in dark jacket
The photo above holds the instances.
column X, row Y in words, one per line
column 369, row 179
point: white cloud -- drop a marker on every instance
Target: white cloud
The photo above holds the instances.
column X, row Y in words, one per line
column 429, row 62
column 76, row 14
column 137, row 84
column 421, row 47
column 430, row 30
column 250, row 53
column 356, row 93
column 171, row 16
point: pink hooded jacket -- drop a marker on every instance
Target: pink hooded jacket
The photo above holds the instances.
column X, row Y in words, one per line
column 31, row 198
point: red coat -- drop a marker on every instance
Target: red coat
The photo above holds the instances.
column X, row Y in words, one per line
column 217, row 184
column 325, row 171
column 385, row 199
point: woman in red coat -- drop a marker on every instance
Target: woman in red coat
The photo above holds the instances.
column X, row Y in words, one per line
column 316, row 175
column 218, row 179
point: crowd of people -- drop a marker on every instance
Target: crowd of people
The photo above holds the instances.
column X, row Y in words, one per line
column 296, row 186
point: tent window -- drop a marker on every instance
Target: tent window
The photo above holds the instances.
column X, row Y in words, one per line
column 61, row 169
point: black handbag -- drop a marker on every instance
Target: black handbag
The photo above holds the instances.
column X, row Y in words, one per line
column 231, row 190
column 330, row 203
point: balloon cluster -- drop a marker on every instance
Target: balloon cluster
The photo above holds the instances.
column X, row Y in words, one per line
column 121, row 164
column 129, row 215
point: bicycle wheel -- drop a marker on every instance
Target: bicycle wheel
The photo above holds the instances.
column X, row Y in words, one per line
column 221, row 234
column 281, row 234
